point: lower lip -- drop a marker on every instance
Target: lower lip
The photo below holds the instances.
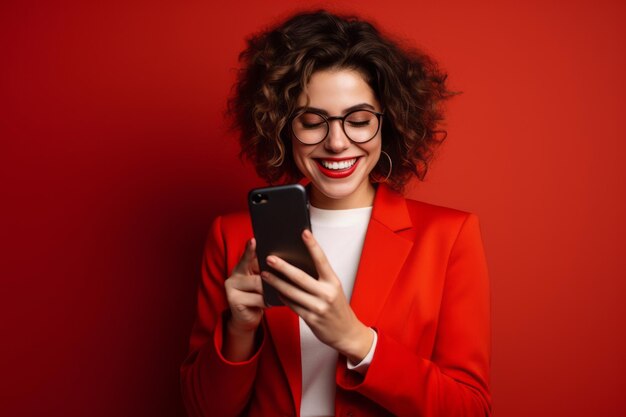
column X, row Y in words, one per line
column 337, row 173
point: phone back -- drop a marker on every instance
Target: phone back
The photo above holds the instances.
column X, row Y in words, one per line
column 279, row 216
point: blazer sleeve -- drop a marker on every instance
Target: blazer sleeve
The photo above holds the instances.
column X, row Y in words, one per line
column 211, row 385
column 455, row 380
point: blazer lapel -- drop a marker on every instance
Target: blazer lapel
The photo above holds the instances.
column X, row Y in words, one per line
column 384, row 253
column 284, row 328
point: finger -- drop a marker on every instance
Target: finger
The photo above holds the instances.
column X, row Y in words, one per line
column 292, row 292
column 296, row 275
column 306, row 315
column 242, row 300
column 246, row 262
column 254, row 265
column 319, row 257
column 247, row 283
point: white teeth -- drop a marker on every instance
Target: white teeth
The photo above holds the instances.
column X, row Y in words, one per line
column 338, row 164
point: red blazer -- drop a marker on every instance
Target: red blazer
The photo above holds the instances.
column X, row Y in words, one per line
column 422, row 284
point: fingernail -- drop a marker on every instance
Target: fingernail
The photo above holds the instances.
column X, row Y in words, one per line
column 306, row 233
column 271, row 260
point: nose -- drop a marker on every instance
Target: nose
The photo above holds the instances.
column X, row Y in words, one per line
column 336, row 141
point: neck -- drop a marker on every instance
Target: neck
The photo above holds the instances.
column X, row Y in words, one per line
column 362, row 197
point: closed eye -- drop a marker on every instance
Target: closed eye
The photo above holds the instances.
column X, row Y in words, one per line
column 312, row 125
column 356, row 123
column 309, row 121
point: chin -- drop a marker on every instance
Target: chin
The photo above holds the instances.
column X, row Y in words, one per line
column 337, row 191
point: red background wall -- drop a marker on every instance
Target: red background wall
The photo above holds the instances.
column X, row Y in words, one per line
column 114, row 158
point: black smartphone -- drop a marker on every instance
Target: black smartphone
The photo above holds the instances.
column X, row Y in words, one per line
column 279, row 216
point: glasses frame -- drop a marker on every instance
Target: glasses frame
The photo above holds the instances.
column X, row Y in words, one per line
column 329, row 119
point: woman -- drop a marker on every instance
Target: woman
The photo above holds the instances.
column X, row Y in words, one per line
column 397, row 321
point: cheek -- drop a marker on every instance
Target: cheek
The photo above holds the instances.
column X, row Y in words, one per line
column 375, row 152
column 299, row 156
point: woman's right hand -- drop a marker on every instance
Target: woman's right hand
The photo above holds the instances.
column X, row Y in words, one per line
column 244, row 293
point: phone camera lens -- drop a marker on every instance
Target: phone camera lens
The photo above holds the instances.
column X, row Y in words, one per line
column 259, row 198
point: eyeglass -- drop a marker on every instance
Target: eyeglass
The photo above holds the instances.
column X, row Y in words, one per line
column 311, row 127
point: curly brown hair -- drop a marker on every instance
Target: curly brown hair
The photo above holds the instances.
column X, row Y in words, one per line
column 278, row 63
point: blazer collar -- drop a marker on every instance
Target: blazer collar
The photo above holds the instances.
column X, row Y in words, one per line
column 384, row 253
column 390, row 209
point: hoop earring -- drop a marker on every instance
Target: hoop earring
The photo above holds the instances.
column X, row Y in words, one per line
column 390, row 168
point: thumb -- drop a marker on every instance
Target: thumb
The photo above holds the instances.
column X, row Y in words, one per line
column 248, row 259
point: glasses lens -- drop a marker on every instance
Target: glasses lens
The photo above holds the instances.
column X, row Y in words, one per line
column 361, row 125
column 309, row 127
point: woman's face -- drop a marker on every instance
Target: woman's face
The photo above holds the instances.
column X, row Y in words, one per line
column 337, row 167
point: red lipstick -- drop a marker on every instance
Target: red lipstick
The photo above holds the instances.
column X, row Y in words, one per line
column 337, row 173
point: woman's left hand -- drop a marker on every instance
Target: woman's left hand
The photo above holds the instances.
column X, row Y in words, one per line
column 321, row 303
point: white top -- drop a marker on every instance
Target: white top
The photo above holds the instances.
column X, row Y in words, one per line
column 341, row 234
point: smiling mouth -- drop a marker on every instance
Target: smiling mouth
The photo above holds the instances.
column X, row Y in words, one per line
column 337, row 168
column 337, row 165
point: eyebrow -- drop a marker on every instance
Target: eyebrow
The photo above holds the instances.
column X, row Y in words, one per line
column 348, row 110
